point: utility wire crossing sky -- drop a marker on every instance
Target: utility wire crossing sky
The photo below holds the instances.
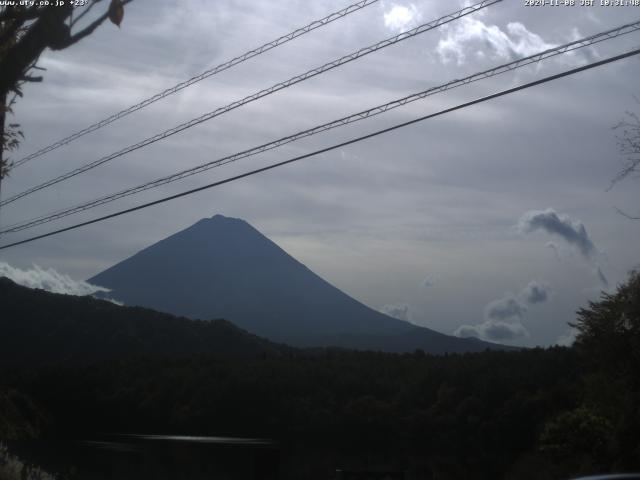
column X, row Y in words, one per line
column 261, row 94
column 206, row 74
column 538, row 57
column 464, row 215
column 333, row 147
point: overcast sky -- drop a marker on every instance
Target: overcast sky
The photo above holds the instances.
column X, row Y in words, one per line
column 493, row 221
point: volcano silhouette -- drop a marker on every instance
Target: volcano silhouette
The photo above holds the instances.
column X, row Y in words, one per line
column 222, row 267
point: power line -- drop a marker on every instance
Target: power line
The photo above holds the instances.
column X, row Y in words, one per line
column 263, row 93
column 538, row 57
column 206, row 74
column 333, row 147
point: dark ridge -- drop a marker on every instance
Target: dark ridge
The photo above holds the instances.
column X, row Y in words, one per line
column 41, row 328
column 222, row 267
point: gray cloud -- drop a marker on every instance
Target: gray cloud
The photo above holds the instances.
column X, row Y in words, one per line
column 401, row 311
column 493, row 331
column 428, row 281
column 49, row 280
column 571, row 231
column 503, row 316
column 535, row 292
column 504, row 331
column 507, row 307
column 467, row 331
column 512, row 306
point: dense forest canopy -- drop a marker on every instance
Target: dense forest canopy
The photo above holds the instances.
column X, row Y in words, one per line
column 540, row 413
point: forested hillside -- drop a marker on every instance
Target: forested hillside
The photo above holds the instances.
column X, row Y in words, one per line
column 533, row 414
column 41, row 328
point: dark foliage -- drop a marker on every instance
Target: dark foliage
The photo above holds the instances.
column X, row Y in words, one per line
column 609, row 346
column 19, row 417
column 27, row 29
column 534, row 414
column 609, row 329
column 466, row 413
column 41, row 328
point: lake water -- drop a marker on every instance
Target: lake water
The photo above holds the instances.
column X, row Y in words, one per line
column 156, row 457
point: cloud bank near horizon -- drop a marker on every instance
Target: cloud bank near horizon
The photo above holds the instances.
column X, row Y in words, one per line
column 49, row 280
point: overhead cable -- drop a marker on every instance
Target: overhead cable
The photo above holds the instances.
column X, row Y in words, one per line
column 507, row 67
column 206, row 74
column 262, row 93
column 333, row 147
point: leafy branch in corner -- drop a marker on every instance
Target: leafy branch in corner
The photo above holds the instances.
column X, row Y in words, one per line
column 629, row 146
column 25, row 32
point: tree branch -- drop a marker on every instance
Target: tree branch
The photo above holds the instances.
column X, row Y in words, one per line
column 88, row 30
column 30, row 78
column 47, row 31
column 628, row 145
column 21, row 14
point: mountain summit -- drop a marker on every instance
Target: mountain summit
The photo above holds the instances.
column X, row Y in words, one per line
column 222, row 267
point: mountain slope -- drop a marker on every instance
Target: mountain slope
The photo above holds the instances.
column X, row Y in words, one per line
column 224, row 268
column 41, row 328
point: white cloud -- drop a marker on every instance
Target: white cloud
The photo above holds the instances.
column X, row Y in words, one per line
column 493, row 331
column 589, row 53
column 400, row 18
column 401, row 311
column 470, row 33
column 49, row 280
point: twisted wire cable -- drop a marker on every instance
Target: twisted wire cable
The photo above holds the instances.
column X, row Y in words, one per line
column 333, row 147
column 377, row 110
column 256, row 96
column 206, row 74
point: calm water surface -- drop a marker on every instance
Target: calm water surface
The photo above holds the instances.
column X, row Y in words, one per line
column 157, row 457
